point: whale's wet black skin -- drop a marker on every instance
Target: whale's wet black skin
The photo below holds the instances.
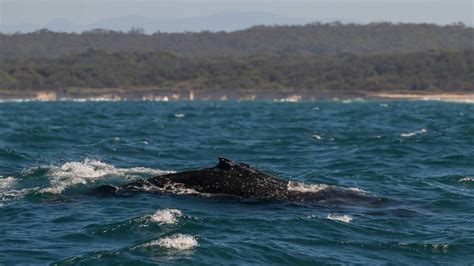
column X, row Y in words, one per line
column 230, row 178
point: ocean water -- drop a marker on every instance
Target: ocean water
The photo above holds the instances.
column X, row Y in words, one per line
column 420, row 155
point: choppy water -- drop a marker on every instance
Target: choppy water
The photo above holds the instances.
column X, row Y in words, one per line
column 420, row 154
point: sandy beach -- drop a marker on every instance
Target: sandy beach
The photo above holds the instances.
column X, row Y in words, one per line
column 465, row 97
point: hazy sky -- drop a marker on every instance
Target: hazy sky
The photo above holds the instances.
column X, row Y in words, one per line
column 39, row 12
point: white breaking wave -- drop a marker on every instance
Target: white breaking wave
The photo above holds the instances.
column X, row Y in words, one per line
column 6, row 183
column 89, row 171
column 466, row 179
column 178, row 241
column 7, row 193
column 314, row 188
column 342, row 218
column 411, row 134
column 18, row 100
column 290, row 99
column 166, row 216
column 179, row 115
column 359, row 100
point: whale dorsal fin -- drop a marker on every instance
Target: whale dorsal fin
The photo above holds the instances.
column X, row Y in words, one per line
column 225, row 164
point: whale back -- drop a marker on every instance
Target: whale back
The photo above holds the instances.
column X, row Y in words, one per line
column 228, row 164
column 227, row 177
column 231, row 178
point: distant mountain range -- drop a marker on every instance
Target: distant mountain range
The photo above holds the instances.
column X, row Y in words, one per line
column 227, row 21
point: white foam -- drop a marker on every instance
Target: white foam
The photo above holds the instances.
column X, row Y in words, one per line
column 314, row 188
column 318, row 137
column 439, row 247
column 434, row 247
column 177, row 188
column 466, row 179
column 411, row 134
column 89, row 171
column 359, row 100
column 6, row 191
column 342, row 218
column 8, row 195
column 6, row 183
column 179, row 115
column 178, row 241
column 166, row 216
column 18, row 100
column 290, row 99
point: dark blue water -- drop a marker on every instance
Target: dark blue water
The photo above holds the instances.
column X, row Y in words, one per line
column 418, row 154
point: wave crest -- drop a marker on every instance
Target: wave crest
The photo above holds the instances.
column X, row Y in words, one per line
column 6, row 183
column 342, row 218
column 166, row 216
column 89, row 171
column 414, row 133
column 178, row 241
column 314, row 188
column 466, row 179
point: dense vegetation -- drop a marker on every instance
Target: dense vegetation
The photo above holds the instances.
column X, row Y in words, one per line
column 421, row 71
column 312, row 39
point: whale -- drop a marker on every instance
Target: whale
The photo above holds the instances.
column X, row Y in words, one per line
column 234, row 179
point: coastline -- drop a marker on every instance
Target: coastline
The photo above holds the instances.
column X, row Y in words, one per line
column 466, row 97
column 165, row 95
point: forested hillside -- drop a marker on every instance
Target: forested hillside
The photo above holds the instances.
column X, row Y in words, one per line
column 420, row 71
column 312, row 39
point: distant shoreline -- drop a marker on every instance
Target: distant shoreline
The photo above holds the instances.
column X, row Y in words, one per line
column 165, row 95
column 466, row 97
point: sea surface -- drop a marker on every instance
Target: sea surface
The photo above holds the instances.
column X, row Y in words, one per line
column 420, row 155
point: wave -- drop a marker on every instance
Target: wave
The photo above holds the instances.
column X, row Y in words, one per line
column 342, row 218
column 433, row 247
column 166, row 216
column 466, row 179
column 357, row 100
column 411, row 134
column 6, row 191
column 178, row 241
column 6, row 183
column 8, row 195
column 19, row 100
column 90, row 171
column 314, row 188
